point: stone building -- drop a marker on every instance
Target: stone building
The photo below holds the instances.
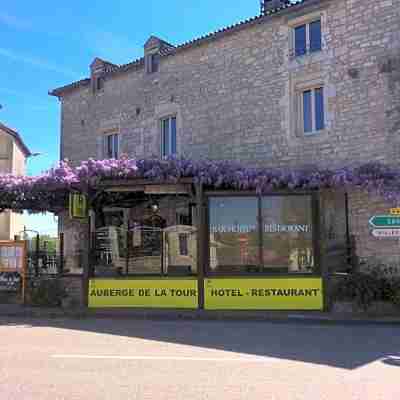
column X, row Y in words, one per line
column 13, row 154
column 315, row 82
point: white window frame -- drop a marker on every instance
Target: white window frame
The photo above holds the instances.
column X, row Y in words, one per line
column 300, row 97
column 307, row 19
column 169, row 118
column 308, row 42
column 105, row 145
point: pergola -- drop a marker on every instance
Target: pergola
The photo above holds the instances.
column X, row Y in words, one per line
column 128, row 182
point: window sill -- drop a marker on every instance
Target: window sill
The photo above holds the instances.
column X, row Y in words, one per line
column 308, row 53
column 308, row 58
column 314, row 133
column 316, row 136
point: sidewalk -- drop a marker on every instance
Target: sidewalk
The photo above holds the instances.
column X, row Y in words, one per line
column 16, row 310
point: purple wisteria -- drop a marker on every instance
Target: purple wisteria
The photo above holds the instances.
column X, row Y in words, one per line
column 49, row 191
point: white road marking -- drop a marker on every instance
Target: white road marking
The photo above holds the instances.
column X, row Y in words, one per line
column 161, row 358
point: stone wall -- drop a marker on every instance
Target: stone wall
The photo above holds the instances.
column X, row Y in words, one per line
column 235, row 98
column 74, row 288
column 233, row 95
column 75, row 241
column 371, row 250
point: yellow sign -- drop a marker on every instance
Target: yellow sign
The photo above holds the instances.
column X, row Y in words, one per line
column 149, row 293
column 77, row 205
column 395, row 211
column 263, row 294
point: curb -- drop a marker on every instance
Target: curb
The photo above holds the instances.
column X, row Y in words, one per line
column 221, row 316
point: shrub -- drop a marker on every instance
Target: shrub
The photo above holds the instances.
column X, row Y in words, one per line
column 47, row 292
column 359, row 287
column 363, row 288
column 395, row 292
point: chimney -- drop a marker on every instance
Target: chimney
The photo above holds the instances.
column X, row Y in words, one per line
column 268, row 5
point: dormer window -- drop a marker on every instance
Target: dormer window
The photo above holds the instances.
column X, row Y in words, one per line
column 307, row 38
column 151, row 63
column 99, row 83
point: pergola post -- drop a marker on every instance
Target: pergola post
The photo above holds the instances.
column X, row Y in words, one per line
column 200, row 243
column 87, row 254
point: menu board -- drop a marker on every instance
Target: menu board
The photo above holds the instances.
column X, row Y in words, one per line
column 11, row 258
column 11, row 265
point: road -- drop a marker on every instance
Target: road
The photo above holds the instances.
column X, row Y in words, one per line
column 135, row 359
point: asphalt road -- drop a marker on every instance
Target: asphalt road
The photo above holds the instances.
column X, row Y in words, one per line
column 131, row 359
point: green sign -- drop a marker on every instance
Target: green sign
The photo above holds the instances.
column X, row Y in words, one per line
column 385, row 221
column 77, row 205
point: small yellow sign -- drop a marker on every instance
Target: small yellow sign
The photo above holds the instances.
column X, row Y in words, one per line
column 77, row 205
column 149, row 293
column 263, row 294
column 395, row 211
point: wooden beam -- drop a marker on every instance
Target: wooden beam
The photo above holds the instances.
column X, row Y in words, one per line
column 167, row 189
column 140, row 182
column 125, row 189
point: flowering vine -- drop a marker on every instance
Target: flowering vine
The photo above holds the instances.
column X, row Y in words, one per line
column 49, row 191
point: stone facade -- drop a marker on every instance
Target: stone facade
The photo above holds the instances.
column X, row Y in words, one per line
column 234, row 96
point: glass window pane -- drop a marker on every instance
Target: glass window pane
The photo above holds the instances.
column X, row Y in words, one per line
column 307, row 113
column 115, row 146
column 234, row 238
column 165, row 137
column 109, row 146
column 183, row 244
column 180, row 247
column 287, row 234
column 154, row 62
column 319, row 109
column 300, row 40
column 315, row 36
column 173, row 135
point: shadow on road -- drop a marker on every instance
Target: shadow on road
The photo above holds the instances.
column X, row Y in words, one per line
column 394, row 361
column 341, row 346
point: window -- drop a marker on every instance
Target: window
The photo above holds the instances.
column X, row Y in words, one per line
column 144, row 243
column 234, row 239
column 307, row 38
column 287, row 234
column 312, row 106
column 111, row 146
column 261, row 234
column 151, row 63
column 99, row 83
column 168, row 136
column 183, row 244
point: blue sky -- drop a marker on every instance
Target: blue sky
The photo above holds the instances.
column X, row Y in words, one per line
column 46, row 44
